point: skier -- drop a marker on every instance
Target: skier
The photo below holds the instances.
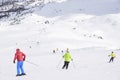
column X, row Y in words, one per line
column 67, row 58
column 53, row 51
column 57, row 49
column 112, row 55
column 62, row 51
column 20, row 56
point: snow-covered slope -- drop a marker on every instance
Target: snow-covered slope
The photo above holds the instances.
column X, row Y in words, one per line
column 93, row 7
column 90, row 29
column 62, row 24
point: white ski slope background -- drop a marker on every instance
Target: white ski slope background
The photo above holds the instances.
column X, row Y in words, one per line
column 90, row 29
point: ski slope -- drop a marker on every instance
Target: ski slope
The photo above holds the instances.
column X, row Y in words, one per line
column 88, row 64
column 90, row 29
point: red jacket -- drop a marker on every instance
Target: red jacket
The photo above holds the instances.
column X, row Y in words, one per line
column 20, row 56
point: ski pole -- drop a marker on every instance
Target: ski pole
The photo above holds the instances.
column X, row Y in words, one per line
column 32, row 63
column 59, row 62
column 73, row 64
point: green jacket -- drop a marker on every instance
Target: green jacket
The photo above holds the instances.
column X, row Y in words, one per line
column 112, row 55
column 67, row 57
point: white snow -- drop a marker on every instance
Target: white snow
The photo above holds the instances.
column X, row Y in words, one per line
column 89, row 28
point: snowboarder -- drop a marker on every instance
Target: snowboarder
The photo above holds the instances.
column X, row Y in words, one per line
column 20, row 57
column 67, row 58
column 112, row 55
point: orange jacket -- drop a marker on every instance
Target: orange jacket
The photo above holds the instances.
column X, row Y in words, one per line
column 20, row 56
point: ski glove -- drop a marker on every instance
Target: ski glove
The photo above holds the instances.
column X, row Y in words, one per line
column 24, row 59
column 14, row 62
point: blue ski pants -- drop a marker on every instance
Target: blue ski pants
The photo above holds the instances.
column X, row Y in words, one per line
column 20, row 69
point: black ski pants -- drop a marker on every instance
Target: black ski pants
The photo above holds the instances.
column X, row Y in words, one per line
column 66, row 63
column 111, row 59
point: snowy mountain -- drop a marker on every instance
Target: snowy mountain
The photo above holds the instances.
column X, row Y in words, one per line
column 89, row 28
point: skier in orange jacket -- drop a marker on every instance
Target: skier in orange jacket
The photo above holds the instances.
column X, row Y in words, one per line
column 20, row 57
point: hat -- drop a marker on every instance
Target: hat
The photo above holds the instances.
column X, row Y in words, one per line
column 17, row 49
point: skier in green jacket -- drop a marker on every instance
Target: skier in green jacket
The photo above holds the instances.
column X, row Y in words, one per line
column 112, row 55
column 67, row 58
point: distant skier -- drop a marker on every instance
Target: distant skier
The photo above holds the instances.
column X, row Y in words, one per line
column 20, row 56
column 62, row 51
column 57, row 49
column 67, row 58
column 53, row 51
column 112, row 55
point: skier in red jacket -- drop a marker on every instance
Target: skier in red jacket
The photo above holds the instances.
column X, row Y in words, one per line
column 20, row 57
